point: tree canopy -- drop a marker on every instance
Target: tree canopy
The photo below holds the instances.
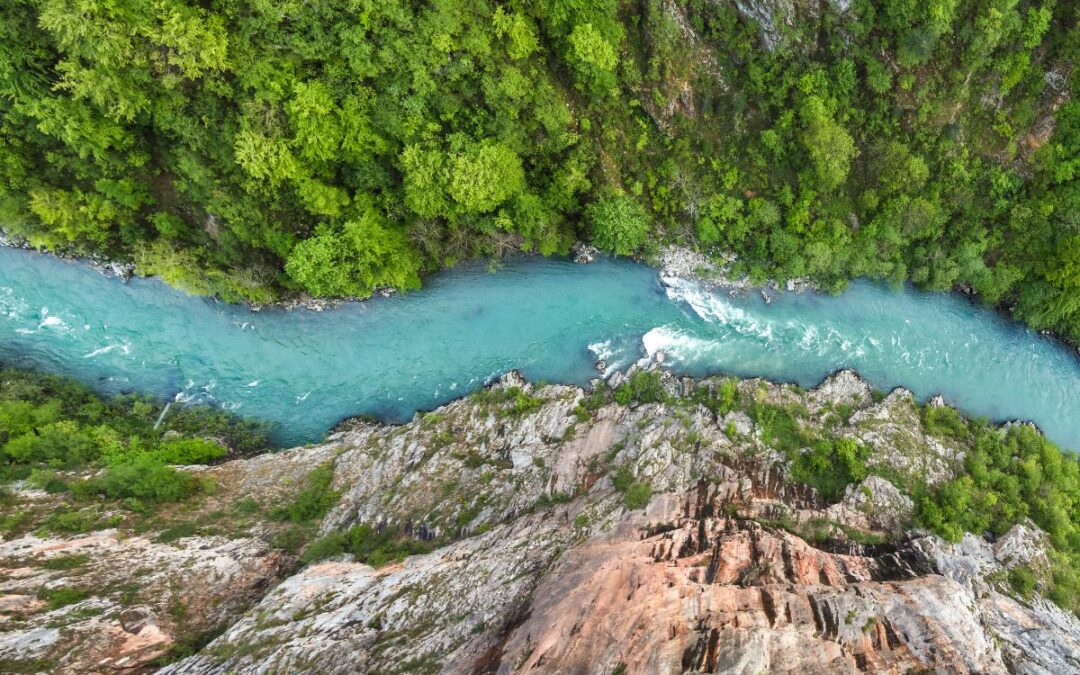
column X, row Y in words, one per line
column 249, row 149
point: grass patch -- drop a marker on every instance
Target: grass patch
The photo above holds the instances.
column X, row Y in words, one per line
column 369, row 545
column 66, row 520
column 520, row 402
column 55, row 598
column 314, row 501
column 176, row 532
column 779, row 427
column 66, row 562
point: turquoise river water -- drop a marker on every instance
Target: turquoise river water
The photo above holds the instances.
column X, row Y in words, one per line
column 551, row 319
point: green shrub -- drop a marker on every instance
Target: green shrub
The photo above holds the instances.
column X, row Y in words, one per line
column 520, row 402
column 324, row 547
column 246, row 436
column 290, row 539
column 189, row 451
column 61, row 597
column 59, row 444
column 618, row 224
column 830, row 465
column 144, row 478
column 66, row 562
column 643, row 387
column 314, row 500
column 592, row 401
column 176, row 532
column 66, row 520
column 368, row 545
column 779, row 428
column 48, row 481
column 1022, row 580
column 1065, row 591
column 944, row 421
column 720, row 400
column 635, row 495
column 14, row 522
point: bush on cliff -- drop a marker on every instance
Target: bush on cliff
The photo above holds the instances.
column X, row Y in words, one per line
column 642, row 387
column 314, row 501
column 144, row 479
column 374, row 546
column 1008, row 476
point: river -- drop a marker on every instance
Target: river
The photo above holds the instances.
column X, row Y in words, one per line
column 552, row 319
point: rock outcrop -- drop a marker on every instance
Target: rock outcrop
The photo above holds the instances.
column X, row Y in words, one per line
column 722, row 564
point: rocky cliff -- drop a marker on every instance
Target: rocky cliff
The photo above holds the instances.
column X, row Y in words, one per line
column 570, row 534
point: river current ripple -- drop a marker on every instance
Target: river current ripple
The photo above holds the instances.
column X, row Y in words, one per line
column 304, row 370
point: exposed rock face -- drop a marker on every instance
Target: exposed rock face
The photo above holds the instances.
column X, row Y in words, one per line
column 874, row 504
column 722, row 595
column 1034, row 637
column 674, row 589
column 894, row 424
column 776, row 17
column 1023, row 544
column 140, row 595
column 550, row 571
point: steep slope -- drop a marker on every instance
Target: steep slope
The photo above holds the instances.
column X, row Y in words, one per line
column 575, row 534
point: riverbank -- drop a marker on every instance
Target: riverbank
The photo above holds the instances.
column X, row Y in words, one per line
column 116, row 268
column 673, row 261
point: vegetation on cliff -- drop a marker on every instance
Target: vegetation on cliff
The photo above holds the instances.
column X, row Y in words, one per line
column 1007, row 477
column 63, row 438
column 851, row 473
column 50, row 424
column 244, row 149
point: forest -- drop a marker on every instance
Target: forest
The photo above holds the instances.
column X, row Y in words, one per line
column 252, row 149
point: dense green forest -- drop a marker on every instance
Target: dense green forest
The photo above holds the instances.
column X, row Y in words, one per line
column 248, row 148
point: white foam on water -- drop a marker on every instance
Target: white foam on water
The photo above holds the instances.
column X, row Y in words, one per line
column 253, row 383
column 11, row 305
column 714, row 308
column 55, row 323
column 676, row 345
column 303, row 397
column 615, row 353
column 602, row 350
column 122, row 346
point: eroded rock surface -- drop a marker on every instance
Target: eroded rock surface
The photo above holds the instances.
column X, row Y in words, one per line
column 725, row 564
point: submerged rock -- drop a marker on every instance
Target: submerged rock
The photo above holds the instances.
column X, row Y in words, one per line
column 584, row 253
